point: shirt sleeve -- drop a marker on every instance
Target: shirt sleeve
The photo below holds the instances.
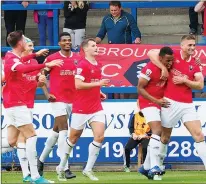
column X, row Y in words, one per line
column 197, row 69
column 81, row 72
column 146, row 73
column 47, row 60
column 133, row 26
column 14, row 62
column 102, row 31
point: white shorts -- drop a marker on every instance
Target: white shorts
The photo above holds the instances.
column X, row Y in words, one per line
column 78, row 121
column 178, row 111
column 18, row 116
column 61, row 108
column 151, row 114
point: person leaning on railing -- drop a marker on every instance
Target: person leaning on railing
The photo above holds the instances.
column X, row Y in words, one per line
column 119, row 26
column 140, row 134
column 15, row 18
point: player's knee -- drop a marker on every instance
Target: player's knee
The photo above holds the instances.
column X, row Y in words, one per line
column 199, row 136
column 99, row 138
column 12, row 142
column 157, row 131
column 74, row 138
column 165, row 139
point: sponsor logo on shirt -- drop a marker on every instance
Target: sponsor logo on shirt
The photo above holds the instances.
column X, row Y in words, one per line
column 79, row 71
column 29, row 77
column 178, row 73
column 67, row 72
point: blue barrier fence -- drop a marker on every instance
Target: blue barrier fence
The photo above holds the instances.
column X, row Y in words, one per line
column 109, row 90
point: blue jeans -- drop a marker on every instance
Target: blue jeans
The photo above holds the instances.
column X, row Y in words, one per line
column 45, row 22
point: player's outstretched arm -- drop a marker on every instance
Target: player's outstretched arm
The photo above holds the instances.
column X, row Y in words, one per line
column 80, row 84
column 154, row 57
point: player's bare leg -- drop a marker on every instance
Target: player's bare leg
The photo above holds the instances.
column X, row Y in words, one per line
column 21, row 152
column 63, row 132
column 49, row 144
column 164, row 140
column 9, row 142
column 194, row 127
column 98, row 129
column 68, row 146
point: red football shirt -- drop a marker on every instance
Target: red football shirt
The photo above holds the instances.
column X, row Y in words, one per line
column 62, row 78
column 30, row 84
column 14, row 90
column 87, row 101
column 181, row 92
column 155, row 87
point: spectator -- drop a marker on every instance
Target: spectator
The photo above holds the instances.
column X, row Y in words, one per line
column 44, row 19
column 118, row 25
column 199, row 8
column 75, row 13
column 194, row 21
column 15, row 19
column 140, row 133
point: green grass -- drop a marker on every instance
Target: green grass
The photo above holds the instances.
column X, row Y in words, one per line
column 182, row 177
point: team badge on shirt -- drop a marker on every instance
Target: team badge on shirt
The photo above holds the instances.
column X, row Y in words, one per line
column 148, row 72
column 79, row 71
column 191, row 67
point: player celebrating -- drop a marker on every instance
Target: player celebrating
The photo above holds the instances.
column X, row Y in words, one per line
column 62, row 91
column 184, row 76
column 15, row 101
column 151, row 93
column 87, row 108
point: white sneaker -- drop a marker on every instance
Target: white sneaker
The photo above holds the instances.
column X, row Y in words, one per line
column 90, row 175
column 61, row 176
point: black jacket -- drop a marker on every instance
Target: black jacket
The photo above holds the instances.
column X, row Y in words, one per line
column 76, row 18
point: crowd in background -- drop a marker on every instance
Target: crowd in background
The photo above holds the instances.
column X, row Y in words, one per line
column 118, row 25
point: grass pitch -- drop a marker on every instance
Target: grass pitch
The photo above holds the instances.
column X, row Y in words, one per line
column 182, row 177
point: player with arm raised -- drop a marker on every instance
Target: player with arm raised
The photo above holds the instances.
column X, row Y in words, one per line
column 18, row 115
column 184, row 76
column 87, row 108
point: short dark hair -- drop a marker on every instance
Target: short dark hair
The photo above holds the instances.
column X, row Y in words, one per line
column 86, row 41
column 187, row 37
column 63, row 34
column 115, row 3
column 165, row 51
column 14, row 37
